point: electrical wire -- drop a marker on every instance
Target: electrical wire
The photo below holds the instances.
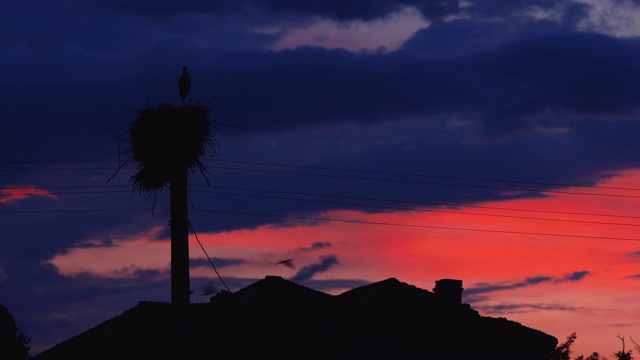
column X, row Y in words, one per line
column 384, row 207
column 273, row 164
column 207, row 255
column 365, row 178
column 59, row 162
column 555, row 212
column 425, row 175
column 325, row 201
column 66, row 193
column 422, row 226
column 61, row 187
column 62, row 211
column 387, row 207
column 359, row 198
column 353, row 221
column 64, row 169
column 429, row 183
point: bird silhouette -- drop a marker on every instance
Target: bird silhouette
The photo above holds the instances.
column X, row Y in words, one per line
column 288, row 263
column 184, row 84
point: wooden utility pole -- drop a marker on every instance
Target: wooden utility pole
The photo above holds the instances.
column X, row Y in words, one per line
column 166, row 143
column 180, row 290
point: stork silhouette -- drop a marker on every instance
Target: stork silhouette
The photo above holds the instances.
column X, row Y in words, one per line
column 184, row 84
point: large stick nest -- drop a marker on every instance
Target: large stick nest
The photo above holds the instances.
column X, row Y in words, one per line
column 166, row 139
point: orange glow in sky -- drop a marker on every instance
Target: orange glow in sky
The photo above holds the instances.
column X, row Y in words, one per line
column 559, row 273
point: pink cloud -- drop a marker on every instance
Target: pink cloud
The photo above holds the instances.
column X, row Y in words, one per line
column 388, row 33
column 125, row 255
column 10, row 194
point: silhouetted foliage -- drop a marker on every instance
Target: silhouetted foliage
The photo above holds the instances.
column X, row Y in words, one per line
column 167, row 138
column 563, row 351
column 622, row 354
column 593, row 356
column 14, row 345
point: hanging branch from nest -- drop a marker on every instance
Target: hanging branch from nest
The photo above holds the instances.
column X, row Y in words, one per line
column 121, row 164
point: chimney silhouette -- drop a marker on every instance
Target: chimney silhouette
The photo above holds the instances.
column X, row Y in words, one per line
column 449, row 291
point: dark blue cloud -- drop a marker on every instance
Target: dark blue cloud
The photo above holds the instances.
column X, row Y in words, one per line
column 572, row 71
column 581, row 156
column 487, row 288
column 315, row 246
column 504, row 9
column 577, row 276
column 506, row 91
column 218, row 262
column 464, row 37
column 164, row 8
column 524, row 308
column 484, row 288
column 340, row 10
column 306, row 273
column 345, row 10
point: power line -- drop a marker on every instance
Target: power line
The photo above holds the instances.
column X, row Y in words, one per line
column 60, row 187
column 348, row 197
column 425, row 203
column 65, row 193
column 555, row 212
column 336, row 203
column 366, row 205
column 272, row 164
column 512, row 232
column 207, row 255
column 59, row 162
column 424, row 210
column 426, row 175
column 428, row 183
column 365, row 222
column 501, row 188
column 64, row 169
column 76, row 210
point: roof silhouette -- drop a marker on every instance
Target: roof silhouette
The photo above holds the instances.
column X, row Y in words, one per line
column 274, row 317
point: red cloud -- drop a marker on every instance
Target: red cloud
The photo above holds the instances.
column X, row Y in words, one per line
column 10, row 194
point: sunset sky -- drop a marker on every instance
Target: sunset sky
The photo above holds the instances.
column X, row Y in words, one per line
column 490, row 141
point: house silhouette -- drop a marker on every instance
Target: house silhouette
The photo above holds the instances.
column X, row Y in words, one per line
column 274, row 317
